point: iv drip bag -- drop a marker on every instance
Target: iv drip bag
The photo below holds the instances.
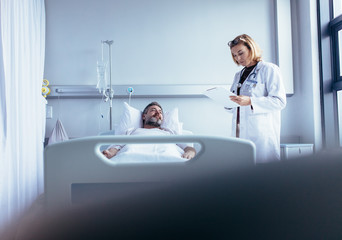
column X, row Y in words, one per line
column 101, row 76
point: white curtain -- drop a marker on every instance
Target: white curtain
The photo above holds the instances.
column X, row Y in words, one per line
column 22, row 107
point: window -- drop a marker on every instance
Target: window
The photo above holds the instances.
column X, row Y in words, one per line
column 337, row 6
column 339, row 113
column 336, row 50
column 339, row 42
column 330, row 44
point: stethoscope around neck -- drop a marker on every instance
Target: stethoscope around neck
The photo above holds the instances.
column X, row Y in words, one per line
column 251, row 78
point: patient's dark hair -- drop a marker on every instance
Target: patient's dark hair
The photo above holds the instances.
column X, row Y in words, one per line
column 151, row 104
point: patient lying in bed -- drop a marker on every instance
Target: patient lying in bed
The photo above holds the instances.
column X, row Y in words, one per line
column 152, row 119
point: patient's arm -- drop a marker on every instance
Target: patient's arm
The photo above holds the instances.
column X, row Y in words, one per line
column 110, row 152
column 189, row 152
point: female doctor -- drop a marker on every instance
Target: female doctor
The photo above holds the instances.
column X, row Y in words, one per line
column 260, row 95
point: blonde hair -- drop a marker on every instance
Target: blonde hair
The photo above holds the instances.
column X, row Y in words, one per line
column 253, row 47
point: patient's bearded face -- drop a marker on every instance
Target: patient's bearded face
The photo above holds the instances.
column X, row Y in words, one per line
column 154, row 116
column 153, row 121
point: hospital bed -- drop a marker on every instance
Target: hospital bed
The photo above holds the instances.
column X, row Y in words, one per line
column 76, row 172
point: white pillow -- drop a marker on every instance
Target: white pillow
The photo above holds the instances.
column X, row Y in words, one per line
column 171, row 121
column 131, row 118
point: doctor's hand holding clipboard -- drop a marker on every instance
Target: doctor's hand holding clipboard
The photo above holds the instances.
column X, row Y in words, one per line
column 241, row 100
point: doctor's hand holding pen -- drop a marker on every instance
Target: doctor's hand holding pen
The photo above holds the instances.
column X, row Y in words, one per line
column 259, row 92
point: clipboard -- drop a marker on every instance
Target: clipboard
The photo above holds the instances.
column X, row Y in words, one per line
column 221, row 96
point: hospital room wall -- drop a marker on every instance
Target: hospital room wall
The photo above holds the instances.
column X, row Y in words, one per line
column 302, row 116
column 83, row 117
column 75, row 30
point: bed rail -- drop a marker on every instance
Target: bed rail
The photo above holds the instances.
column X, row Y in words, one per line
column 81, row 161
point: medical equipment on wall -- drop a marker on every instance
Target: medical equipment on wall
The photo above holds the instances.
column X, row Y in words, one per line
column 130, row 91
column 103, row 67
column 45, row 89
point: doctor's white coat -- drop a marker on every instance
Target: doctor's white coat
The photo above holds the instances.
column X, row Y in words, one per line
column 261, row 121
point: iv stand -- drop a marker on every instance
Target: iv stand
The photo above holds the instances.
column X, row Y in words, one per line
column 109, row 93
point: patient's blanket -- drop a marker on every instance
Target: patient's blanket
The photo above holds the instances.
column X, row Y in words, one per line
column 151, row 152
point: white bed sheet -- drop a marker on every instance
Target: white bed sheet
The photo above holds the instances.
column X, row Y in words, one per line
column 149, row 153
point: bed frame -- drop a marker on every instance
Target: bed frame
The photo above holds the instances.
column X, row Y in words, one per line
column 72, row 165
